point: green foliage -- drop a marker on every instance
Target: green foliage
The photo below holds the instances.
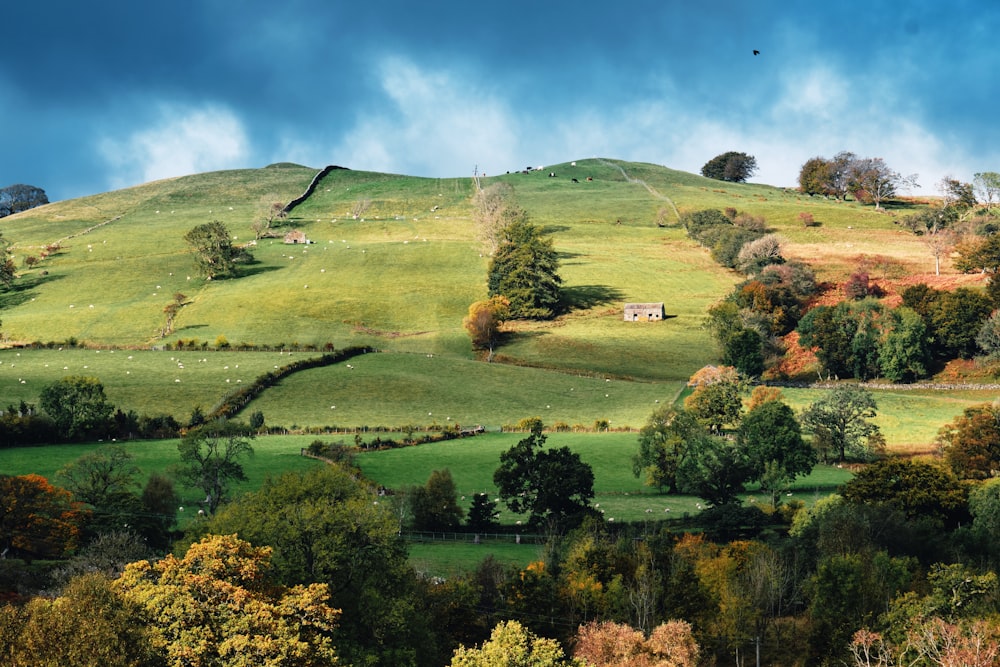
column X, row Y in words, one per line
column 210, row 459
column 78, row 406
column 957, row 320
column 903, row 347
column 731, row 166
column 483, row 515
column 744, row 351
column 524, row 269
column 435, row 505
column 776, row 454
column 214, row 252
column 552, row 485
column 715, row 470
column 916, row 488
column 330, row 526
column 839, row 421
column 716, row 404
column 663, row 445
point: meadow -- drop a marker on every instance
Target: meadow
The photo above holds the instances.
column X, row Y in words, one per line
column 394, row 264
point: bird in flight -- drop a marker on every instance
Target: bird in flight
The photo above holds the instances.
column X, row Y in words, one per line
column 756, row 52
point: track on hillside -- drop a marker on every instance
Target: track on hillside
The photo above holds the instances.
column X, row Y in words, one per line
column 653, row 191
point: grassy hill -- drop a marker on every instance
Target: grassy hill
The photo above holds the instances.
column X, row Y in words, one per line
column 400, row 278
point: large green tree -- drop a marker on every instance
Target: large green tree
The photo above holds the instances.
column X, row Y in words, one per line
column 328, row 525
column 918, row 489
column 772, row 442
column 971, row 442
column 663, row 445
column 214, row 251
column 20, row 197
column 210, row 459
column 435, row 504
column 552, row 484
column 731, row 166
column 841, row 421
column 524, row 269
column 79, row 407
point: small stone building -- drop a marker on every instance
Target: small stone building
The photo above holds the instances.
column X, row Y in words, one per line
column 296, row 236
column 644, row 312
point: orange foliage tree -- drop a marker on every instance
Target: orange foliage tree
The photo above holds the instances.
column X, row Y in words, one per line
column 37, row 519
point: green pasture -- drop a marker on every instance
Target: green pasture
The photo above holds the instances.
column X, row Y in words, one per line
column 449, row 558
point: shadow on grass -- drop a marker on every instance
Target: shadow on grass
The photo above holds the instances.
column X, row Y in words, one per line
column 22, row 290
column 256, row 269
column 582, row 297
column 554, row 229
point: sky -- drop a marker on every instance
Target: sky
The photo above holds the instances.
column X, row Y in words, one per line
column 100, row 95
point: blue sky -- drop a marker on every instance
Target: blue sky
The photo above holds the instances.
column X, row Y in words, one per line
column 112, row 93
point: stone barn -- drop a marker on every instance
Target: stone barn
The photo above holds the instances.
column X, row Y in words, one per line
column 644, row 312
column 296, row 236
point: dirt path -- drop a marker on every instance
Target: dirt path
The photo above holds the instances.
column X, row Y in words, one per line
column 653, row 191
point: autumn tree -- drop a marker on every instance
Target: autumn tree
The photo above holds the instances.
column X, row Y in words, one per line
column 610, row 644
column 840, row 421
column 873, row 181
column 970, row 443
column 37, row 519
column 79, row 407
column 511, row 643
column 731, row 166
column 549, row 484
column 986, row 185
column 716, row 404
column 494, row 208
column 219, row 605
column 214, row 251
column 485, row 321
column 171, row 310
column 210, row 459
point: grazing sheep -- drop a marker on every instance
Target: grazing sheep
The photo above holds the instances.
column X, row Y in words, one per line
column 574, row 180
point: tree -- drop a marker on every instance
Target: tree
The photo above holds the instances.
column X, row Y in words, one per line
column 816, row 177
column 840, row 421
column 970, row 443
column 435, row 505
column 957, row 195
column 744, row 351
column 214, row 252
column 37, row 519
column 552, row 484
column 716, row 404
column 873, row 181
column 511, row 644
column 731, row 166
column 494, row 209
column 328, row 525
column 218, row 605
column 610, row 644
column 918, row 489
column 759, row 253
column 986, row 185
column 663, row 444
column 715, row 470
column 88, row 624
column 79, row 407
column 104, row 479
column 903, row 345
column 171, row 310
column 210, row 458
column 979, row 254
column 524, row 269
column 957, row 319
column 776, row 454
column 483, row 514
column 268, row 213
column 485, row 321
column 20, row 197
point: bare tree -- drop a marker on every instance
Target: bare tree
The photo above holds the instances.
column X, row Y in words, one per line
column 269, row 212
column 873, row 180
column 494, row 210
column 360, row 207
column 986, row 185
column 171, row 310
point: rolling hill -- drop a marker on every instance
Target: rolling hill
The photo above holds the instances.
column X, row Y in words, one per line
column 400, row 278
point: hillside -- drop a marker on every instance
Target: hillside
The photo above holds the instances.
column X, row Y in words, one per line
column 401, row 276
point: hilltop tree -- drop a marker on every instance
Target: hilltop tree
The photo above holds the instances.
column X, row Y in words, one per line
column 214, row 251
column 732, row 166
column 986, row 185
column 210, row 459
column 79, row 407
column 873, row 181
column 816, row 177
column 20, row 197
column 525, row 271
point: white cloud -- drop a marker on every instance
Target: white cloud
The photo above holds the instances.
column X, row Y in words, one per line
column 431, row 123
column 183, row 140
